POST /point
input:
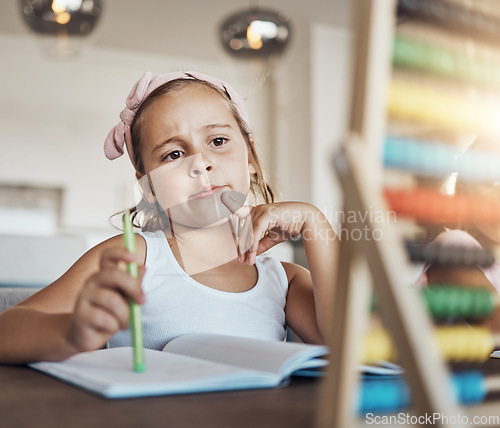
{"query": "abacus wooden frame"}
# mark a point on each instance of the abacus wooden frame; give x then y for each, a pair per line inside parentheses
(380, 261)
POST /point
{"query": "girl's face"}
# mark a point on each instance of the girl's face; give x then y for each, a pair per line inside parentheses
(193, 150)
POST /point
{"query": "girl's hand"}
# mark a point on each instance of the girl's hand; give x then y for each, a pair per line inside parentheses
(268, 225)
(102, 309)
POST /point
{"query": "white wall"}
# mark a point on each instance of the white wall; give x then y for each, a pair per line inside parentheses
(292, 88)
(330, 100)
(55, 116)
(311, 117)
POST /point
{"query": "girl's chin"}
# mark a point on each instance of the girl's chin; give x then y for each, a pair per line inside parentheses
(187, 226)
(200, 212)
(209, 217)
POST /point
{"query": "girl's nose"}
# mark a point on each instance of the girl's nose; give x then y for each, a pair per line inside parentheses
(199, 165)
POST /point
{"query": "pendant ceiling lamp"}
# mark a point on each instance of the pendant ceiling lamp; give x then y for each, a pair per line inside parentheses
(61, 25)
(255, 33)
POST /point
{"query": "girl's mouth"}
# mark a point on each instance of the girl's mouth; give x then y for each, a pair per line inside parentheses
(209, 191)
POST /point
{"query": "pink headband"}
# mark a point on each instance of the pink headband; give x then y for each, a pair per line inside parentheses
(120, 134)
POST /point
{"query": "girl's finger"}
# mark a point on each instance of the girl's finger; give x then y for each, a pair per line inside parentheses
(267, 243)
(114, 303)
(247, 235)
(121, 282)
(100, 320)
(255, 232)
(113, 256)
(230, 200)
(261, 226)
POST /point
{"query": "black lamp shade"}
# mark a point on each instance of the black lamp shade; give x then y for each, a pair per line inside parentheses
(257, 33)
(48, 17)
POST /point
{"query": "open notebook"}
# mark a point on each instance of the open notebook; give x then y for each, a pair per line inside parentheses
(188, 364)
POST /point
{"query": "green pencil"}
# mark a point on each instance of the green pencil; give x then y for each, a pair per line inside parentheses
(135, 309)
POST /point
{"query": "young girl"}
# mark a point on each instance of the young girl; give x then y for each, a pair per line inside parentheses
(201, 244)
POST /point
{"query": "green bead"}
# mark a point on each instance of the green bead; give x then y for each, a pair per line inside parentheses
(443, 62)
(444, 302)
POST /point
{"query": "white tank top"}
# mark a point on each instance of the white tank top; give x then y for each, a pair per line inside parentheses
(176, 304)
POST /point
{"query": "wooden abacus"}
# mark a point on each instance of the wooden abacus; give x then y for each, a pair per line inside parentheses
(384, 263)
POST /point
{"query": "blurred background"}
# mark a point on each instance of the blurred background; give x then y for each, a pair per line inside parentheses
(58, 191)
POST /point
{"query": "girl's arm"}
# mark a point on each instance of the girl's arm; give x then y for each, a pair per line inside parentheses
(309, 296)
(78, 312)
(309, 300)
(300, 310)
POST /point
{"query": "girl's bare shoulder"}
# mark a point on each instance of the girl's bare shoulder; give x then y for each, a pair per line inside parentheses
(295, 271)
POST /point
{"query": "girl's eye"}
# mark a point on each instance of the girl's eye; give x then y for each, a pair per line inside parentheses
(169, 157)
(219, 141)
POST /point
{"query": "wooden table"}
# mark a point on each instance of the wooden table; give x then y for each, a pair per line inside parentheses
(32, 399)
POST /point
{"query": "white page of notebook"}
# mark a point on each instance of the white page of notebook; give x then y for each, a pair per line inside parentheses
(110, 372)
(255, 354)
